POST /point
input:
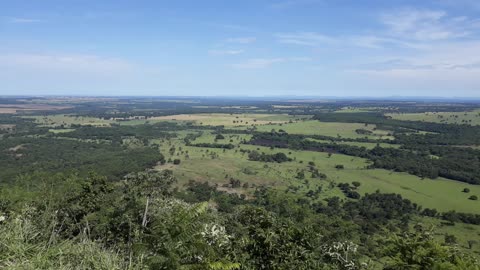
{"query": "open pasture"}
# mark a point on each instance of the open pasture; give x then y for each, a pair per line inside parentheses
(218, 165)
(470, 118)
(68, 120)
(357, 109)
(464, 233)
(441, 194)
(367, 145)
(230, 120)
(332, 129)
(59, 131)
(213, 119)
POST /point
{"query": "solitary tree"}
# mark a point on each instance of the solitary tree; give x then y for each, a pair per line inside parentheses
(340, 167)
(356, 184)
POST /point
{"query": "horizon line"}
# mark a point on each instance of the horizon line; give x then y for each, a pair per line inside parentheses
(393, 97)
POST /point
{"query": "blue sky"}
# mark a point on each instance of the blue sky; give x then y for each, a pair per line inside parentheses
(236, 48)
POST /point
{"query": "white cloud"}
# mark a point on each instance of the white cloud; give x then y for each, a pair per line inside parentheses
(260, 63)
(364, 41)
(242, 40)
(233, 27)
(304, 38)
(64, 62)
(292, 3)
(458, 78)
(23, 20)
(405, 28)
(452, 55)
(225, 52)
(300, 59)
(453, 66)
(426, 25)
(109, 15)
(379, 42)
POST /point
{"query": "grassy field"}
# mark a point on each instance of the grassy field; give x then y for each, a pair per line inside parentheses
(68, 120)
(332, 129)
(64, 130)
(472, 118)
(218, 166)
(230, 120)
(357, 110)
(367, 145)
(214, 119)
(462, 232)
(441, 194)
(262, 122)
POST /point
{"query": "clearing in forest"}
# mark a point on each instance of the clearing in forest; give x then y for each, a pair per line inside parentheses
(217, 166)
(331, 129)
(224, 119)
(470, 118)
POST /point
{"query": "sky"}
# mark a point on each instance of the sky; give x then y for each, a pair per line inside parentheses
(240, 48)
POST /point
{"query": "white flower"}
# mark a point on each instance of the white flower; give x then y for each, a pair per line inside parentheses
(215, 235)
(341, 251)
(2, 218)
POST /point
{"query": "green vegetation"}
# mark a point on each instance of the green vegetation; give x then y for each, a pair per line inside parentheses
(66, 121)
(218, 119)
(367, 145)
(340, 130)
(26, 155)
(277, 157)
(462, 118)
(215, 184)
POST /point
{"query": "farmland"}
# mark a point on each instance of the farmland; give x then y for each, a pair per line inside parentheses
(29, 108)
(442, 194)
(217, 166)
(332, 129)
(229, 119)
(67, 121)
(338, 163)
(468, 117)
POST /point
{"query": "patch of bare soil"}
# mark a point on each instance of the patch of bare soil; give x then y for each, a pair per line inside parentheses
(16, 148)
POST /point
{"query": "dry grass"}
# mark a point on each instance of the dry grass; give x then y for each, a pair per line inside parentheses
(16, 148)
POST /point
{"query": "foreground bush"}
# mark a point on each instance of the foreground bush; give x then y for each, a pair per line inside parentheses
(24, 246)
